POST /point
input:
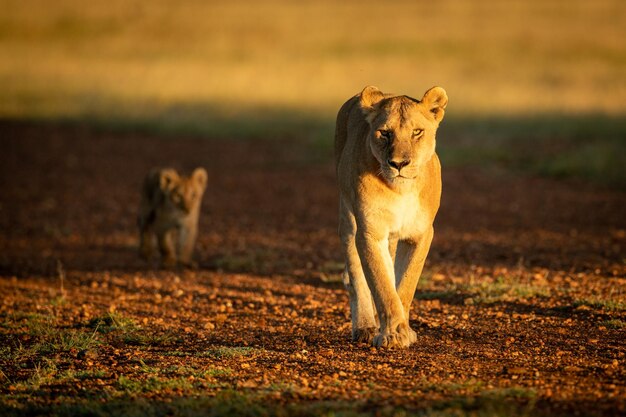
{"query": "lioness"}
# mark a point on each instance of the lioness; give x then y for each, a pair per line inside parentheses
(390, 186)
(170, 205)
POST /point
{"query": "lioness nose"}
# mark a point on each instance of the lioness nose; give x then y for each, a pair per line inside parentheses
(398, 164)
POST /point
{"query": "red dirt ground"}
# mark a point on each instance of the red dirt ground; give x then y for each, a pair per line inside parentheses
(522, 299)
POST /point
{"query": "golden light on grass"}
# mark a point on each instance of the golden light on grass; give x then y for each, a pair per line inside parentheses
(70, 58)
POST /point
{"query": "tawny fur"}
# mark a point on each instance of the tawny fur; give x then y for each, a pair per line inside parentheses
(169, 212)
(390, 187)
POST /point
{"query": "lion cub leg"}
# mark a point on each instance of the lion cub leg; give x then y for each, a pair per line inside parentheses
(146, 242)
(145, 222)
(186, 242)
(166, 247)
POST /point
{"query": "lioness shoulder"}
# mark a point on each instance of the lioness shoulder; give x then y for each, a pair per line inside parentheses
(169, 211)
(390, 186)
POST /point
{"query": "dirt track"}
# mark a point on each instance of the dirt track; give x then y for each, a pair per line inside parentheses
(522, 301)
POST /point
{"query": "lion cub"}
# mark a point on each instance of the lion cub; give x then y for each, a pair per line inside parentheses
(169, 210)
(389, 190)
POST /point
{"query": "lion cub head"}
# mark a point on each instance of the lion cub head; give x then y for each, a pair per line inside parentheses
(402, 130)
(181, 192)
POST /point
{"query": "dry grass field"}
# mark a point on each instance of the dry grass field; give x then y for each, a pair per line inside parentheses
(69, 58)
(521, 75)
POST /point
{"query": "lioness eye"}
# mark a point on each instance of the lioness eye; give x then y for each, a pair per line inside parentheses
(417, 133)
(384, 133)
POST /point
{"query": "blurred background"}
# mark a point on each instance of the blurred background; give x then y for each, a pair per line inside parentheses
(538, 86)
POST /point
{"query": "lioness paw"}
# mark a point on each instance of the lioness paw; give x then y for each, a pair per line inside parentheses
(403, 336)
(365, 335)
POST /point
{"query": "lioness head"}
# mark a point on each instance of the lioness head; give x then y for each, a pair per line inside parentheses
(402, 130)
(183, 192)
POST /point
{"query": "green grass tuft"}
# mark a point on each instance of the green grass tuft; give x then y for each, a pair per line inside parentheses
(614, 324)
(608, 304)
(228, 352)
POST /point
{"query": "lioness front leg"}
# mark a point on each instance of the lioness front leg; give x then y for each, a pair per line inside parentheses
(410, 259)
(364, 326)
(378, 269)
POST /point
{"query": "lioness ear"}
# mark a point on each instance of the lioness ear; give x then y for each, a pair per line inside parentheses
(167, 178)
(370, 96)
(436, 101)
(200, 177)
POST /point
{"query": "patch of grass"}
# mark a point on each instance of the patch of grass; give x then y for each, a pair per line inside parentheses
(283, 387)
(215, 372)
(197, 373)
(113, 321)
(505, 289)
(588, 146)
(49, 338)
(129, 332)
(249, 404)
(71, 339)
(132, 386)
(502, 288)
(4, 379)
(84, 374)
(43, 373)
(216, 352)
(608, 304)
(487, 292)
(614, 324)
(331, 272)
(512, 392)
(259, 260)
(471, 398)
(504, 402)
(182, 370)
(177, 353)
(227, 352)
(146, 369)
(470, 386)
(40, 325)
(237, 263)
(435, 295)
(19, 353)
(58, 301)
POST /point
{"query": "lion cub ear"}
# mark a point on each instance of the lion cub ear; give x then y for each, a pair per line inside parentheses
(369, 98)
(167, 179)
(199, 176)
(436, 101)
